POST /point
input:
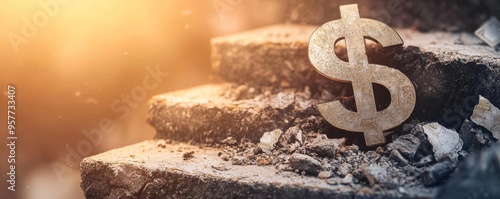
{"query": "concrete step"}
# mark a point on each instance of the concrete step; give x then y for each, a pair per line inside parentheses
(446, 68)
(447, 15)
(155, 169)
(211, 113)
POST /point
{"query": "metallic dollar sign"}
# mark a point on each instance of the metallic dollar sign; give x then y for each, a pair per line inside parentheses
(361, 74)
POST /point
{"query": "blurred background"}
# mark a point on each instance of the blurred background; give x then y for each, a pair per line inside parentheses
(77, 63)
(74, 62)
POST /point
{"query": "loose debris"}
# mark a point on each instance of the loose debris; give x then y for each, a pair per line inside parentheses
(420, 155)
(188, 155)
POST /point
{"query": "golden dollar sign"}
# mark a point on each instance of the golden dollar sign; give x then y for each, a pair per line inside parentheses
(361, 74)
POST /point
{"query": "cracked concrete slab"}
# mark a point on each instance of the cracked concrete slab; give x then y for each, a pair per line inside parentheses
(156, 169)
(449, 70)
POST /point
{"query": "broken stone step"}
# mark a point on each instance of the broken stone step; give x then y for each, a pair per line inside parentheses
(211, 113)
(155, 169)
(448, 15)
(448, 70)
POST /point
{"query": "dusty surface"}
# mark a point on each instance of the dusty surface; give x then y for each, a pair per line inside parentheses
(448, 70)
(211, 113)
(156, 169)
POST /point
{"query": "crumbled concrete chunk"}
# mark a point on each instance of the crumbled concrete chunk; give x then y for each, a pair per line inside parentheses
(445, 143)
(407, 145)
(375, 174)
(269, 139)
(282, 100)
(488, 116)
(305, 163)
(326, 147)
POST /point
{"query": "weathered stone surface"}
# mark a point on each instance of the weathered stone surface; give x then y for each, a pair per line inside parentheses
(211, 113)
(478, 177)
(488, 116)
(375, 174)
(446, 143)
(448, 70)
(407, 145)
(269, 139)
(326, 147)
(475, 137)
(446, 15)
(145, 170)
(305, 163)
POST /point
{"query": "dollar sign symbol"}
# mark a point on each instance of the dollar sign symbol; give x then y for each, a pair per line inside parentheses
(361, 74)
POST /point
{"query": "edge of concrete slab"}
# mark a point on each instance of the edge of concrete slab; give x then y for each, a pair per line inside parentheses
(154, 169)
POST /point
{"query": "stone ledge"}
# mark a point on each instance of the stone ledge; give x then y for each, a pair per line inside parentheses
(211, 113)
(154, 169)
(445, 67)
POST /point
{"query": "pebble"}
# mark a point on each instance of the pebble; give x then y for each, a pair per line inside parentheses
(407, 145)
(375, 174)
(324, 174)
(305, 163)
(269, 139)
(326, 147)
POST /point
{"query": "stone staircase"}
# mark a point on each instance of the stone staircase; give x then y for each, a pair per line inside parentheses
(260, 136)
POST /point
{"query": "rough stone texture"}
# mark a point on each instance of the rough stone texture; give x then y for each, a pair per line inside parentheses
(488, 116)
(407, 145)
(305, 163)
(153, 170)
(375, 174)
(446, 143)
(326, 147)
(475, 137)
(478, 177)
(449, 15)
(448, 70)
(269, 139)
(211, 113)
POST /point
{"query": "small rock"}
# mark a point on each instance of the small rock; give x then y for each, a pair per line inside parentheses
(474, 136)
(395, 155)
(282, 100)
(437, 172)
(407, 145)
(344, 169)
(188, 155)
(292, 135)
(445, 142)
(222, 167)
(488, 116)
(269, 139)
(326, 147)
(262, 161)
(161, 143)
(425, 146)
(324, 174)
(375, 174)
(305, 163)
(238, 160)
